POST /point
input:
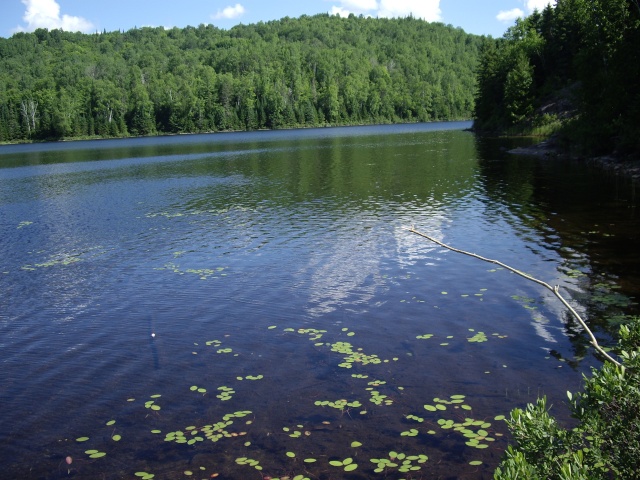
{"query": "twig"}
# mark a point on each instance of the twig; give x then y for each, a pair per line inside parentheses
(555, 290)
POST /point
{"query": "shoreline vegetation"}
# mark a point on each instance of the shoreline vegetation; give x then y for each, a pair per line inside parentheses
(290, 73)
(572, 72)
(165, 134)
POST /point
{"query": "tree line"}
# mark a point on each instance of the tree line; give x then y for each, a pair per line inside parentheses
(309, 71)
(579, 59)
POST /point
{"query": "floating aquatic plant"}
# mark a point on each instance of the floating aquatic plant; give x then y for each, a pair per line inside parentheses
(378, 399)
(95, 453)
(404, 463)
(474, 432)
(314, 335)
(295, 433)
(226, 393)
(478, 338)
(248, 461)
(145, 475)
(413, 417)
(353, 356)
(151, 404)
(347, 464)
(426, 336)
(213, 432)
(341, 404)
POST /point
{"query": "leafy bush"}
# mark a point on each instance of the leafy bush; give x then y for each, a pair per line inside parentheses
(605, 444)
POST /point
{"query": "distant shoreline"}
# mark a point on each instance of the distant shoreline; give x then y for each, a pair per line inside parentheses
(169, 134)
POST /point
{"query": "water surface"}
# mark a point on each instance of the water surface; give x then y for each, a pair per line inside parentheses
(276, 267)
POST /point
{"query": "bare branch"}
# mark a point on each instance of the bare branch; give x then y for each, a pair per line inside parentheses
(555, 290)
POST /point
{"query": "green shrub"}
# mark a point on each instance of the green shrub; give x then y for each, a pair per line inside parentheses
(606, 442)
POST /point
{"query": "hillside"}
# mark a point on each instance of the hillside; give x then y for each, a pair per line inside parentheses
(293, 72)
(572, 69)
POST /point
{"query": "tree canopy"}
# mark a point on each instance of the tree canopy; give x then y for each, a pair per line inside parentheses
(309, 71)
(579, 59)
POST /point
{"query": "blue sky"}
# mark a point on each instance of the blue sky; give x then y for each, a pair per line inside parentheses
(482, 17)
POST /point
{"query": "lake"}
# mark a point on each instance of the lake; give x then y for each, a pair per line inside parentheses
(249, 305)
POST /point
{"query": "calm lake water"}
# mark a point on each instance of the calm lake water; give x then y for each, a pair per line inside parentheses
(251, 304)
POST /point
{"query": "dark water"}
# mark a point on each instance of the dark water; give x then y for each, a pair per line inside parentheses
(264, 264)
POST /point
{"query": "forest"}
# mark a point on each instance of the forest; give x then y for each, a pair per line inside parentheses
(310, 71)
(574, 69)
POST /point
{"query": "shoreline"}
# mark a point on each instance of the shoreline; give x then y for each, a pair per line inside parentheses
(628, 167)
(174, 134)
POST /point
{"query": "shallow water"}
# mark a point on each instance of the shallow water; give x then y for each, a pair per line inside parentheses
(270, 262)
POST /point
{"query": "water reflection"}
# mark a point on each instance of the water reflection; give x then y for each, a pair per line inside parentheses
(580, 214)
(258, 241)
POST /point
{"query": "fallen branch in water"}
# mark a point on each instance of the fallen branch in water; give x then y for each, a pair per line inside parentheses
(555, 290)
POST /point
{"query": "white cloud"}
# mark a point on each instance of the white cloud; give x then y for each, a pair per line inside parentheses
(508, 16)
(537, 4)
(229, 12)
(428, 10)
(356, 7)
(46, 14)
(340, 11)
(360, 5)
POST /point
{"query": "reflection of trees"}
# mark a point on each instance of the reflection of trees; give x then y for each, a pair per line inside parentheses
(578, 214)
(269, 184)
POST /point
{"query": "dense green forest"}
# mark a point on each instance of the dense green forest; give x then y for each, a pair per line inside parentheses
(308, 71)
(574, 67)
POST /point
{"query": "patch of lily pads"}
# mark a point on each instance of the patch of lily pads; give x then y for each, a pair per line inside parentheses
(213, 432)
(475, 433)
(477, 337)
(399, 461)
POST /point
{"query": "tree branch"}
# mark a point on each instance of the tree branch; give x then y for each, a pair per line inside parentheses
(555, 290)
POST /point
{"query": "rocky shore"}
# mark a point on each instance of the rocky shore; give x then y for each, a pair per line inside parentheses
(625, 166)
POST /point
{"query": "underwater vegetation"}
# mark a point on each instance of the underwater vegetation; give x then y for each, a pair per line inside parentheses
(314, 447)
